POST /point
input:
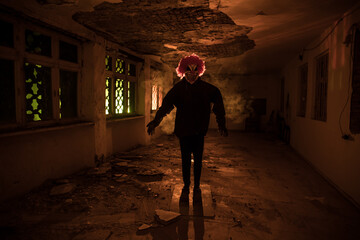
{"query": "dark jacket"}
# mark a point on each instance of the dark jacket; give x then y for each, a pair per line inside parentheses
(193, 104)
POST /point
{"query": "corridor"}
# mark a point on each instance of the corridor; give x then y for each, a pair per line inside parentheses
(260, 188)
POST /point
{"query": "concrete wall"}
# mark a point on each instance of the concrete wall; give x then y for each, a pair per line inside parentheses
(123, 134)
(321, 143)
(30, 157)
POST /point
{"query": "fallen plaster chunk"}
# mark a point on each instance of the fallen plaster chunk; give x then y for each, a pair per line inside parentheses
(122, 164)
(166, 217)
(62, 189)
(129, 157)
(144, 227)
(99, 171)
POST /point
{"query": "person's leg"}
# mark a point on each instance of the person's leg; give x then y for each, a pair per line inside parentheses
(198, 153)
(185, 147)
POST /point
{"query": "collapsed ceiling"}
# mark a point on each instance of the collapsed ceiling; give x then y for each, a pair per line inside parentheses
(169, 30)
(233, 36)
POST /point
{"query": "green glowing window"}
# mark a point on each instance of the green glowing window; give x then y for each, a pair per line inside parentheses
(68, 94)
(68, 52)
(108, 63)
(132, 69)
(37, 92)
(37, 43)
(7, 91)
(119, 96)
(131, 97)
(108, 96)
(119, 66)
(7, 34)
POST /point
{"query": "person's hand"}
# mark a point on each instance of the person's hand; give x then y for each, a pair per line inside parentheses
(151, 128)
(223, 132)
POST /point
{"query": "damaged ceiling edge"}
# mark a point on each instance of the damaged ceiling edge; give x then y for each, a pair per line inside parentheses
(169, 32)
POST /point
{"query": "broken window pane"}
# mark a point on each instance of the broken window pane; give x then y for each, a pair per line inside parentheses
(131, 97)
(7, 91)
(132, 69)
(108, 96)
(68, 52)
(68, 94)
(38, 92)
(7, 34)
(37, 43)
(119, 96)
(108, 63)
(120, 66)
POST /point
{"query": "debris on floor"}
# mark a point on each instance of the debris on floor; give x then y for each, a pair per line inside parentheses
(166, 217)
(149, 175)
(144, 227)
(62, 189)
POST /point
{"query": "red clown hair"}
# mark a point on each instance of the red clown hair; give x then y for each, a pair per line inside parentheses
(189, 60)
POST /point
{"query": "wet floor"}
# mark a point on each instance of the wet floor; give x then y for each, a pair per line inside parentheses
(260, 189)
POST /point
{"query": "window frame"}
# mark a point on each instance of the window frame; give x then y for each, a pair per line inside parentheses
(302, 112)
(317, 115)
(20, 56)
(112, 74)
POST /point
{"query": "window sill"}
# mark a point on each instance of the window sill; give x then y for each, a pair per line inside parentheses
(57, 127)
(123, 118)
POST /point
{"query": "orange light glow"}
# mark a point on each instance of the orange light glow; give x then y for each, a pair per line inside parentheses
(154, 98)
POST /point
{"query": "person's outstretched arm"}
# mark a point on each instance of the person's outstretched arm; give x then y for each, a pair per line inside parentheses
(219, 111)
(166, 107)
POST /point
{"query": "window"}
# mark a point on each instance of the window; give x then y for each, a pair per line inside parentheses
(301, 111)
(7, 91)
(120, 86)
(38, 86)
(156, 97)
(68, 52)
(37, 43)
(355, 96)
(68, 94)
(321, 82)
(38, 92)
(7, 34)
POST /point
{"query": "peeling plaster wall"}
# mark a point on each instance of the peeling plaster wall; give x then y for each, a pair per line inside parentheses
(321, 142)
(93, 91)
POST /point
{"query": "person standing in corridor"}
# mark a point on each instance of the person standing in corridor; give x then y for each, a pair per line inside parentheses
(192, 98)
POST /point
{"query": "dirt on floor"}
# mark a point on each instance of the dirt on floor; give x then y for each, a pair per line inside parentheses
(261, 189)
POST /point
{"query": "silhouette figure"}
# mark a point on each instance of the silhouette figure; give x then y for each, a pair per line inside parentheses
(192, 98)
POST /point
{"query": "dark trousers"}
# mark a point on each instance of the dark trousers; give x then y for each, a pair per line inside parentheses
(195, 145)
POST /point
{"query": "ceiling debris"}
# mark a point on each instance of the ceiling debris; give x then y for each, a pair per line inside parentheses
(170, 29)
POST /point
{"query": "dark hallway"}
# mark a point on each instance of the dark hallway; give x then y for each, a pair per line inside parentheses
(261, 189)
(274, 84)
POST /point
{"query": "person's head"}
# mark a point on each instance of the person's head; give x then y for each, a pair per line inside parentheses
(191, 67)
